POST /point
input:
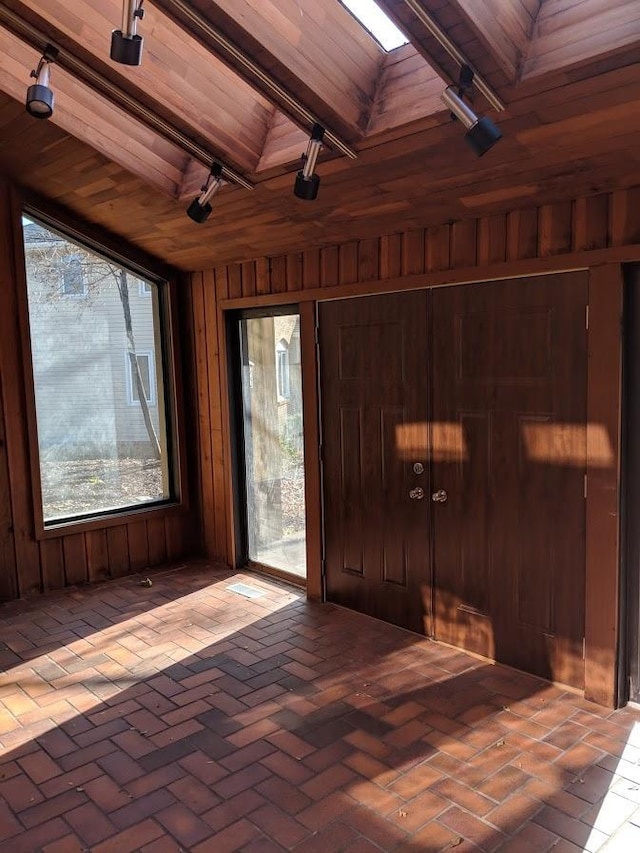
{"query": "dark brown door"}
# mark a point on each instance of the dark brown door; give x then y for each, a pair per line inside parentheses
(374, 380)
(504, 443)
(509, 391)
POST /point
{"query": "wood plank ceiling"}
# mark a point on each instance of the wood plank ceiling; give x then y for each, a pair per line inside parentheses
(568, 72)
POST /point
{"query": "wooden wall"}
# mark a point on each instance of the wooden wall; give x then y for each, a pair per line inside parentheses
(596, 232)
(29, 564)
(576, 233)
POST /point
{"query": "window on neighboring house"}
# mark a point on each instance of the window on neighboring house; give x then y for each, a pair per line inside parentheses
(102, 449)
(283, 374)
(144, 363)
(73, 283)
(144, 288)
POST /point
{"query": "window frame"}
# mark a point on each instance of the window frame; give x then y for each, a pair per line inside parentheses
(69, 259)
(175, 465)
(150, 355)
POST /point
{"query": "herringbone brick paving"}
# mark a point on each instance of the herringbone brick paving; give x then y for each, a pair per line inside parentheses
(188, 717)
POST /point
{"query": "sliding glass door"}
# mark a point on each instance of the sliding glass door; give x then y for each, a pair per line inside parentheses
(272, 447)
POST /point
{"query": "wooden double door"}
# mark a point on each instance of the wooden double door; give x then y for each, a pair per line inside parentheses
(454, 460)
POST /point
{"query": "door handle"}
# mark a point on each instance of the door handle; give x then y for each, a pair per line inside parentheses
(439, 497)
(416, 494)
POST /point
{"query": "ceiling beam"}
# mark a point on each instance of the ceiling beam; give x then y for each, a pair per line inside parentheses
(93, 79)
(83, 113)
(570, 35)
(503, 26)
(178, 81)
(313, 60)
(444, 38)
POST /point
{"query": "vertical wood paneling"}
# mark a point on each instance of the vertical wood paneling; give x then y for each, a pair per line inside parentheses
(413, 253)
(118, 551)
(492, 240)
(202, 366)
(52, 562)
(214, 366)
(27, 554)
(75, 559)
(329, 266)
(263, 280)
(224, 521)
(176, 533)
(464, 244)
(391, 256)
(157, 542)
(235, 281)
(278, 274)
(555, 229)
(522, 234)
(625, 221)
(591, 223)
(311, 269)
(8, 575)
(312, 485)
(369, 260)
(97, 555)
(438, 256)
(248, 277)
(138, 546)
(294, 272)
(603, 510)
(348, 263)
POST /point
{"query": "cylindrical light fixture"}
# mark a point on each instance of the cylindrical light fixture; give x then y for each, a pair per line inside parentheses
(481, 133)
(199, 210)
(126, 44)
(307, 183)
(40, 99)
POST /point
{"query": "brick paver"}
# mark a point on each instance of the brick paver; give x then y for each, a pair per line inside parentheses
(184, 716)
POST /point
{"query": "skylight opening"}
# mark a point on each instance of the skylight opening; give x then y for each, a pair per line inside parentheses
(376, 22)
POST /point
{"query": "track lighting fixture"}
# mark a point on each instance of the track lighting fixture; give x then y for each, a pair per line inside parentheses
(307, 183)
(40, 98)
(481, 133)
(126, 44)
(199, 210)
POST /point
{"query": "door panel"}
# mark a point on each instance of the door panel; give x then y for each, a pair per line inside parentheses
(509, 370)
(374, 374)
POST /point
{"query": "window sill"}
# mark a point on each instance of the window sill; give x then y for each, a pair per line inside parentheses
(117, 518)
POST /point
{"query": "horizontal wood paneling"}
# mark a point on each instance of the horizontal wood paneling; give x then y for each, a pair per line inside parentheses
(75, 556)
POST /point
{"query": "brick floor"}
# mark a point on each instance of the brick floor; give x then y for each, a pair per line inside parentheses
(186, 716)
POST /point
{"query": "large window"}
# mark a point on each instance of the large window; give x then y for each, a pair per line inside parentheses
(101, 425)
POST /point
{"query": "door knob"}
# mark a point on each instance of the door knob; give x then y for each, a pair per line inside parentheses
(416, 494)
(439, 497)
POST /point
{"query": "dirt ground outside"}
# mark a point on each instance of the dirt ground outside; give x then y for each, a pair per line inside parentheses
(79, 487)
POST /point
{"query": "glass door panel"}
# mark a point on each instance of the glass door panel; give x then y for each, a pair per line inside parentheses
(273, 442)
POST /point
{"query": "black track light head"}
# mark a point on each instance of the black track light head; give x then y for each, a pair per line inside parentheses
(40, 98)
(482, 134)
(199, 210)
(126, 44)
